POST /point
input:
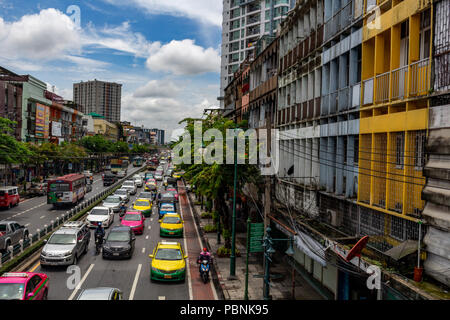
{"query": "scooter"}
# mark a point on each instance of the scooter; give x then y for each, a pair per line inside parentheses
(204, 270)
(98, 244)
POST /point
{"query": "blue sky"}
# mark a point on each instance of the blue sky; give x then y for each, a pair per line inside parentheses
(166, 53)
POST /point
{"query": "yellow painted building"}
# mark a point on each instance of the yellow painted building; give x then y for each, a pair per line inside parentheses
(106, 128)
(396, 74)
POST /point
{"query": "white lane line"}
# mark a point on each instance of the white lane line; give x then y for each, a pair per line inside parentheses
(151, 219)
(199, 242)
(81, 282)
(42, 217)
(27, 225)
(149, 227)
(161, 298)
(143, 250)
(188, 273)
(136, 277)
(146, 237)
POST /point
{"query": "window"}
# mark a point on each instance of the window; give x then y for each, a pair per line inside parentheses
(356, 151)
(399, 149)
(397, 227)
(419, 150)
(425, 34)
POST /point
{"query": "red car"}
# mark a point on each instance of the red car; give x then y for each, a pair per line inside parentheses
(134, 220)
(174, 192)
(9, 196)
(24, 286)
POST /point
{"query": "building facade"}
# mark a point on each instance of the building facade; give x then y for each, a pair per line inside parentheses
(243, 23)
(101, 97)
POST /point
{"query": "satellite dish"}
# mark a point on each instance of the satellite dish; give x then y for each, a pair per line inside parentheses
(357, 248)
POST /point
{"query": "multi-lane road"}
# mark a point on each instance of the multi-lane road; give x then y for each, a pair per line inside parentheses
(132, 276)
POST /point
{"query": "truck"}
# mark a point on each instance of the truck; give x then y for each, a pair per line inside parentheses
(11, 232)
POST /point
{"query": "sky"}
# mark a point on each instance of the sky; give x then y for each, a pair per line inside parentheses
(165, 53)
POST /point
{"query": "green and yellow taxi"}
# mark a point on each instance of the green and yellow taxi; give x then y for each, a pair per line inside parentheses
(143, 205)
(177, 174)
(150, 185)
(171, 225)
(168, 262)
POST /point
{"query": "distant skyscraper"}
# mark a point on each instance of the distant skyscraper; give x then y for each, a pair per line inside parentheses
(244, 22)
(103, 98)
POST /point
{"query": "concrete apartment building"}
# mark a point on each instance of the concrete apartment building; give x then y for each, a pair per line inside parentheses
(100, 97)
(243, 23)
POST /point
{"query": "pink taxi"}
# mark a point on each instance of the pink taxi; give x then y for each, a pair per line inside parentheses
(134, 220)
(24, 286)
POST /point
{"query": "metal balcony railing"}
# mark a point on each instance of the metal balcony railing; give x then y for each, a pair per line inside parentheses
(420, 77)
(382, 85)
(368, 91)
(325, 106)
(343, 99)
(399, 79)
(253, 20)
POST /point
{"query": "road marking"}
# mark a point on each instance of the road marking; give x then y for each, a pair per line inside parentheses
(143, 250)
(161, 298)
(149, 227)
(35, 267)
(151, 219)
(81, 282)
(146, 237)
(136, 277)
(42, 217)
(27, 225)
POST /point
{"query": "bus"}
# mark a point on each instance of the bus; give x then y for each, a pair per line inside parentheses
(68, 189)
(138, 161)
(125, 162)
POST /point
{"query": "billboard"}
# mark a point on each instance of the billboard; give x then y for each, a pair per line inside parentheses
(56, 129)
(40, 120)
(47, 122)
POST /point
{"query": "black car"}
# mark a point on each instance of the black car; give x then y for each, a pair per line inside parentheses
(109, 179)
(119, 243)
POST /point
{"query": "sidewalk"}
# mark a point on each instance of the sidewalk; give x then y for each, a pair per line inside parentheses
(281, 284)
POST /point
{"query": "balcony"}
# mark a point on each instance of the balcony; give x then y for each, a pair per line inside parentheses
(253, 20)
(399, 81)
(420, 77)
(382, 85)
(368, 91)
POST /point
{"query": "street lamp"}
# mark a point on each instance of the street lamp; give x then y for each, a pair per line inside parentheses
(233, 225)
(268, 250)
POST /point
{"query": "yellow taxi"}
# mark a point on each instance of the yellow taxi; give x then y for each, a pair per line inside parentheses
(171, 225)
(177, 175)
(143, 205)
(168, 262)
(150, 185)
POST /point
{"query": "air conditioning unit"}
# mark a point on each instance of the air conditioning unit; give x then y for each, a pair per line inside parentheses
(334, 218)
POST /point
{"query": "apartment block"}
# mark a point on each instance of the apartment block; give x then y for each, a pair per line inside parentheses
(100, 97)
(244, 22)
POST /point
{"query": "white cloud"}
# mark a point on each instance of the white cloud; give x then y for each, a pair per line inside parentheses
(204, 11)
(46, 35)
(157, 89)
(184, 58)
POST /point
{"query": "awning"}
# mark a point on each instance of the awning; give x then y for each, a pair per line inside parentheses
(402, 250)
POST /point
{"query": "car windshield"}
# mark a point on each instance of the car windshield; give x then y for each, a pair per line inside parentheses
(2, 227)
(166, 207)
(128, 184)
(141, 204)
(145, 195)
(121, 192)
(99, 212)
(118, 236)
(112, 199)
(132, 217)
(171, 220)
(11, 291)
(168, 254)
(62, 239)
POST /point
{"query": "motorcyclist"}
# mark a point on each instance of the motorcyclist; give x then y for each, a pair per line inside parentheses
(204, 255)
(99, 233)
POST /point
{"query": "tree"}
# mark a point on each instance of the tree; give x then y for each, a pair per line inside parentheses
(11, 150)
(215, 180)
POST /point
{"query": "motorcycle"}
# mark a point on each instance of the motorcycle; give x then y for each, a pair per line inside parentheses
(98, 243)
(204, 270)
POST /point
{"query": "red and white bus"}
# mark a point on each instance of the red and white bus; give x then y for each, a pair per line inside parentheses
(68, 189)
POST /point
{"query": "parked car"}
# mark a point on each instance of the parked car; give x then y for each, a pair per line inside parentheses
(9, 196)
(124, 194)
(24, 286)
(101, 294)
(101, 214)
(38, 188)
(11, 232)
(119, 243)
(113, 202)
(130, 185)
(66, 245)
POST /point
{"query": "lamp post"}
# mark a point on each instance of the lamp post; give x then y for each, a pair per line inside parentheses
(268, 250)
(233, 223)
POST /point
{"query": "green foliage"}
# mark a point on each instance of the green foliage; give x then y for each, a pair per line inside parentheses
(11, 150)
(206, 215)
(210, 228)
(226, 233)
(226, 252)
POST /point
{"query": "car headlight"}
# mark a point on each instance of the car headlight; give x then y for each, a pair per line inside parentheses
(155, 269)
(181, 270)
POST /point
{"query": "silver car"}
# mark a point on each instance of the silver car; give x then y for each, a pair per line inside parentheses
(124, 194)
(138, 181)
(101, 294)
(130, 185)
(66, 245)
(113, 202)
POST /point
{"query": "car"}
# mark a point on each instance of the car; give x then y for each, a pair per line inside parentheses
(24, 286)
(113, 202)
(171, 225)
(148, 176)
(9, 196)
(66, 245)
(167, 197)
(11, 232)
(168, 172)
(172, 182)
(130, 185)
(174, 192)
(147, 195)
(138, 180)
(158, 176)
(135, 220)
(101, 293)
(119, 243)
(122, 174)
(124, 194)
(165, 180)
(144, 206)
(150, 185)
(168, 262)
(101, 214)
(38, 188)
(176, 175)
(109, 178)
(164, 208)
